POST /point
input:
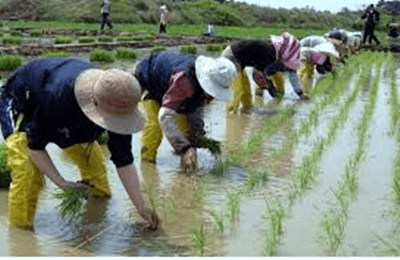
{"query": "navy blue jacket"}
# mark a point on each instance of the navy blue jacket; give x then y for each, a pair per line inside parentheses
(43, 90)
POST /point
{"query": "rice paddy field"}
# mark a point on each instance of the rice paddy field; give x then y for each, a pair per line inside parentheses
(318, 177)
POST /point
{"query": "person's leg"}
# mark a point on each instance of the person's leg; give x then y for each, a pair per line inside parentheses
(305, 73)
(241, 92)
(151, 133)
(103, 21)
(108, 21)
(27, 181)
(91, 164)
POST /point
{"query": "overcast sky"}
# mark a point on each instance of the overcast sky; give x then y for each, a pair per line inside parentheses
(320, 5)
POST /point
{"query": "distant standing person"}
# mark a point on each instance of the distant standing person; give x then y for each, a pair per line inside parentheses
(372, 17)
(163, 19)
(105, 11)
(210, 31)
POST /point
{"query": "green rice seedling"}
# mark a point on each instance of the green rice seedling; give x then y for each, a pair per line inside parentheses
(100, 55)
(86, 39)
(35, 33)
(12, 40)
(214, 48)
(141, 38)
(333, 226)
(63, 40)
(125, 54)
(105, 39)
(190, 49)
(125, 39)
(10, 62)
(16, 34)
(198, 241)
(234, 199)
(276, 215)
(256, 178)
(221, 168)
(212, 145)
(157, 49)
(103, 138)
(72, 200)
(57, 54)
(199, 190)
(218, 218)
(5, 175)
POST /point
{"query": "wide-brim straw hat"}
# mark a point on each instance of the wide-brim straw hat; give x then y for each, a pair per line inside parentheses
(215, 76)
(109, 98)
(327, 49)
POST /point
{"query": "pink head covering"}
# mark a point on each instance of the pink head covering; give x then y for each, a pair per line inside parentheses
(288, 49)
(317, 57)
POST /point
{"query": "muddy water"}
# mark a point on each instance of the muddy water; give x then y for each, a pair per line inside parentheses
(111, 227)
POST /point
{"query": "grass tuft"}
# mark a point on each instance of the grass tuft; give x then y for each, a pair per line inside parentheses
(63, 40)
(125, 54)
(190, 49)
(10, 62)
(100, 55)
(105, 39)
(214, 48)
(86, 39)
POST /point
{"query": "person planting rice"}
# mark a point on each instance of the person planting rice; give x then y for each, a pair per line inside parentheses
(175, 86)
(267, 57)
(70, 103)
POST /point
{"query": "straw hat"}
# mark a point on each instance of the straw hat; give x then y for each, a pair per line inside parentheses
(215, 76)
(109, 98)
(327, 49)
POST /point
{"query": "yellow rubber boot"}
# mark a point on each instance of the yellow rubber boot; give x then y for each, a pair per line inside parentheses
(183, 125)
(279, 83)
(305, 73)
(91, 164)
(241, 92)
(27, 181)
(151, 133)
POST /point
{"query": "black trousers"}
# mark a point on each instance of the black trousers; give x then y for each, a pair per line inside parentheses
(369, 33)
(104, 20)
(163, 28)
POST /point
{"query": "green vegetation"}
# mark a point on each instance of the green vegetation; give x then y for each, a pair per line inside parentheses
(125, 39)
(212, 145)
(63, 40)
(16, 34)
(276, 215)
(221, 168)
(234, 199)
(5, 175)
(125, 54)
(103, 138)
(57, 54)
(215, 48)
(256, 177)
(190, 49)
(86, 39)
(218, 219)
(105, 39)
(35, 33)
(72, 200)
(100, 55)
(199, 239)
(10, 62)
(157, 49)
(12, 41)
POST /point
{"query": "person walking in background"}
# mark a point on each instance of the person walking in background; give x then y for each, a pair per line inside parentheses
(210, 29)
(105, 11)
(163, 19)
(372, 18)
(69, 102)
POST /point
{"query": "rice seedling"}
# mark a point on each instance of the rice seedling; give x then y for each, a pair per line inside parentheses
(333, 225)
(86, 39)
(16, 34)
(234, 199)
(218, 218)
(100, 55)
(214, 48)
(190, 49)
(256, 178)
(198, 241)
(125, 54)
(103, 138)
(5, 175)
(157, 49)
(212, 145)
(35, 33)
(12, 41)
(199, 190)
(63, 40)
(276, 215)
(57, 54)
(141, 38)
(10, 62)
(105, 39)
(221, 168)
(72, 200)
(125, 39)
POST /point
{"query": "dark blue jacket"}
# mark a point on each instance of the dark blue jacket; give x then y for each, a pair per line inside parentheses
(43, 90)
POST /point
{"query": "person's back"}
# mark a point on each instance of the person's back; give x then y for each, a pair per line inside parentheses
(105, 7)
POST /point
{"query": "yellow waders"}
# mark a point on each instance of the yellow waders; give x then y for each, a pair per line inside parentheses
(27, 181)
(152, 133)
(91, 164)
(241, 92)
(305, 73)
(279, 82)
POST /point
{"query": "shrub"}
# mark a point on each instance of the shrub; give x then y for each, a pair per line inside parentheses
(125, 54)
(12, 40)
(5, 176)
(35, 33)
(57, 54)
(188, 49)
(157, 49)
(63, 40)
(10, 62)
(86, 39)
(15, 33)
(105, 39)
(100, 55)
(214, 48)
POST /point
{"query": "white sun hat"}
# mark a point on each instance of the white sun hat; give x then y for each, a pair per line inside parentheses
(215, 76)
(327, 49)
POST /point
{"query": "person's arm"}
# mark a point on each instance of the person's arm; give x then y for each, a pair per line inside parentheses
(130, 180)
(48, 168)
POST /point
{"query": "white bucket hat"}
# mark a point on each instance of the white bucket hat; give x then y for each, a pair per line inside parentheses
(215, 76)
(327, 49)
(109, 98)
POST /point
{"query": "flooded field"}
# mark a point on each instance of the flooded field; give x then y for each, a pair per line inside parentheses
(302, 178)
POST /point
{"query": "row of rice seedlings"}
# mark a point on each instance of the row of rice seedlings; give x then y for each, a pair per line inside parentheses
(199, 241)
(100, 55)
(86, 39)
(52, 54)
(35, 33)
(189, 49)
(215, 48)
(125, 54)
(5, 175)
(157, 49)
(10, 62)
(276, 215)
(63, 40)
(105, 39)
(334, 222)
(256, 177)
(16, 33)
(11, 41)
